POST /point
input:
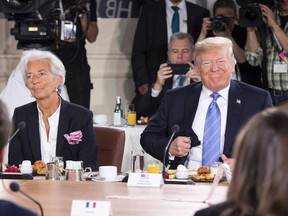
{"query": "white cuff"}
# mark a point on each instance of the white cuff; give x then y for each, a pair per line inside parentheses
(155, 93)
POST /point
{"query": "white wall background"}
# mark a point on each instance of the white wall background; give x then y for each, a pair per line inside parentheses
(109, 58)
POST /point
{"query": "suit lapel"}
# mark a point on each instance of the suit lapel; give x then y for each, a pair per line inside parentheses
(235, 105)
(191, 107)
(62, 127)
(33, 131)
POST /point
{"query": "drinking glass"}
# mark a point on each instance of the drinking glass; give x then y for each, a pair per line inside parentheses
(153, 166)
(137, 160)
(130, 115)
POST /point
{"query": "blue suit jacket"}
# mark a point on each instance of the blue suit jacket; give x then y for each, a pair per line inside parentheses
(26, 144)
(179, 107)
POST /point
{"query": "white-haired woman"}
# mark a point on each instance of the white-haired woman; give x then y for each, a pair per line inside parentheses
(54, 127)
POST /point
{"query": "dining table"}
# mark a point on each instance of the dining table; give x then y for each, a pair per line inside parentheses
(56, 196)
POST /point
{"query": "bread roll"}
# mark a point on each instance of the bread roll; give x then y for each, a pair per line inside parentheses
(38, 165)
(203, 170)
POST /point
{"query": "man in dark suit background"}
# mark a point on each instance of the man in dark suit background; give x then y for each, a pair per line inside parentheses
(187, 107)
(7, 207)
(180, 51)
(152, 34)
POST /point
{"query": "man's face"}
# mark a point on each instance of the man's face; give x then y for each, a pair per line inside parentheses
(180, 52)
(175, 1)
(215, 68)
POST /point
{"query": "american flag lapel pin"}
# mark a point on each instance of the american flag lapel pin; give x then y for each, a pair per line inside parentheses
(238, 101)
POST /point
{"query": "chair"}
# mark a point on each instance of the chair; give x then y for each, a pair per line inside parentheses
(110, 143)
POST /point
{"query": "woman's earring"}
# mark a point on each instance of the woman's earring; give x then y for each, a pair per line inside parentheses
(56, 89)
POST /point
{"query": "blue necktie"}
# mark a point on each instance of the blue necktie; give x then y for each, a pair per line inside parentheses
(212, 133)
(175, 20)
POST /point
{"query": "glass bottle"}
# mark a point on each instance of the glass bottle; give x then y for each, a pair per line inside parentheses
(117, 112)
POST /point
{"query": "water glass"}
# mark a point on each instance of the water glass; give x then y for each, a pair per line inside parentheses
(137, 160)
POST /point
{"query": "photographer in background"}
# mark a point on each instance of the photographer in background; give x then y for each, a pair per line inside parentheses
(180, 51)
(74, 57)
(270, 49)
(223, 24)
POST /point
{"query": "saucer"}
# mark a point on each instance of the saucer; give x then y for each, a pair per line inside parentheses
(102, 179)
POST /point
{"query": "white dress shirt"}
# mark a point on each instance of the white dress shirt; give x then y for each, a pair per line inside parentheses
(48, 144)
(194, 159)
(182, 17)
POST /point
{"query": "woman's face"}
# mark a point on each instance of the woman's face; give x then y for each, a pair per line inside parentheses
(40, 80)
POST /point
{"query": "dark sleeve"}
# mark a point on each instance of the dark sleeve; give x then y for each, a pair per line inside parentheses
(156, 135)
(148, 105)
(88, 148)
(93, 11)
(139, 49)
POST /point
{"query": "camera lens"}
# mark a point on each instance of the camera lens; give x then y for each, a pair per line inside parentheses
(218, 24)
(252, 14)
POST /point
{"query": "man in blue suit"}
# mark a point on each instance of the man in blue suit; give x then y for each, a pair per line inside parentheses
(187, 107)
(152, 35)
(7, 207)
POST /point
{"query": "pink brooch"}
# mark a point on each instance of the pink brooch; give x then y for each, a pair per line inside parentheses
(74, 137)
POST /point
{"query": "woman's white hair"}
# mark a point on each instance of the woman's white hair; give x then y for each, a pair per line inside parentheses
(56, 65)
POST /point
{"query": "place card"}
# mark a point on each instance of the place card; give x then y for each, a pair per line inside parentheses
(90, 207)
(144, 180)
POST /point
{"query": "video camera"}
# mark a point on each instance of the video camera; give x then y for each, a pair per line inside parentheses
(250, 14)
(44, 24)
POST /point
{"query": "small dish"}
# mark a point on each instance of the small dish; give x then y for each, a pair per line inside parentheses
(182, 174)
(102, 179)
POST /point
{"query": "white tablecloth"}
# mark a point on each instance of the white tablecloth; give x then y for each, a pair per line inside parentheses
(132, 142)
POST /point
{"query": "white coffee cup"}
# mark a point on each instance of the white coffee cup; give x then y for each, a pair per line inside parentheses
(26, 167)
(100, 119)
(108, 172)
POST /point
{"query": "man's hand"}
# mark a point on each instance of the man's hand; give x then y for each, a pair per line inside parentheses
(180, 147)
(226, 33)
(229, 161)
(163, 74)
(268, 16)
(206, 26)
(193, 74)
(143, 88)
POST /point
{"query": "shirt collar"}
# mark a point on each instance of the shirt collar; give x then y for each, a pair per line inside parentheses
(181, 5)
(224, 92)
(54, 117)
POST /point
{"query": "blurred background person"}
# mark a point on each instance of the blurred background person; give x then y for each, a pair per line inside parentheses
(7, 207)
(157, 22)
(54, 127)
(260, 169)
(269, 49)
(180, 51)
(74, 56)
(234, 103)
(224, 23)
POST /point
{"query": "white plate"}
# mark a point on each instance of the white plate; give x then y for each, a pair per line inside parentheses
(101, 179)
